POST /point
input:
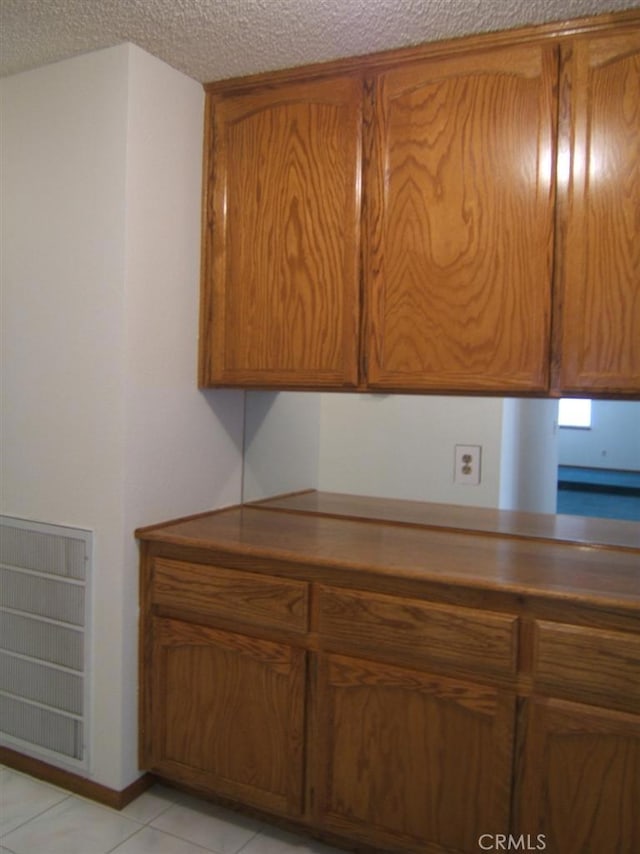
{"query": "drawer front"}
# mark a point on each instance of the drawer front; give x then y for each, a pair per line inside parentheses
(594, 666)
(415, 633)
(231, 595)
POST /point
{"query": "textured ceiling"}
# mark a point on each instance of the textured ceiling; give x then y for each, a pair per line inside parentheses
(212, 39)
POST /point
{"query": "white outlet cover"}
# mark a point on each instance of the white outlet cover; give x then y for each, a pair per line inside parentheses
(467, 464)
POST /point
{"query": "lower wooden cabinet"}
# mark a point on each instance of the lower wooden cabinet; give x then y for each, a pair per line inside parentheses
(409, 760)
(227, 714)
(580, 783)
(579, 777)
(418, 723)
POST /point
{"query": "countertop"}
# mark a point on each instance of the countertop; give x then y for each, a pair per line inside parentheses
(393, 544)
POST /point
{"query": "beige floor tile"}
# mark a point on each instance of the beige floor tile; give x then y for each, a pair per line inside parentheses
(23, 798)
(210, 826)
(73, 826)
(152, 841)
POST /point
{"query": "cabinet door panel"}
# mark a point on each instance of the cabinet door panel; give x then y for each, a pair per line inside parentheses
(282, 237)
(460, 222)
(580, 784)
(228, 714)
(599, 192)
(412, 760)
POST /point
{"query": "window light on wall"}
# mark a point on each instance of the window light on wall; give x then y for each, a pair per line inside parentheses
(574, 412)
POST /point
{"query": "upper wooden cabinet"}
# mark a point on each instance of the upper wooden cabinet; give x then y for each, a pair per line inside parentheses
(281, 276)
(460, 222)
(459, 217)
(599, 195)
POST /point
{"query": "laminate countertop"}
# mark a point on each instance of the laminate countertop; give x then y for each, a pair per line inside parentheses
(403, 546)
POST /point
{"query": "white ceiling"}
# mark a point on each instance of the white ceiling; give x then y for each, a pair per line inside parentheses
(212, 39)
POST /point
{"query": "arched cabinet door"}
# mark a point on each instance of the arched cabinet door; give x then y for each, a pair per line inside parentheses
(281, 235)
(227, 714)
(598, 321)
(411, 761)
(460, 221)
(580, 778)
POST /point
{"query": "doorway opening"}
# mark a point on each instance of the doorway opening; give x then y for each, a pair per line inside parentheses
(599, 459)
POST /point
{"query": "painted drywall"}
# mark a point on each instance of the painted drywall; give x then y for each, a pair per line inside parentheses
(395, 446)
(102, 424)
(613, 441)
(63, 215)
(529, 455)
(183, 447)
(282, 441)
(402, 446)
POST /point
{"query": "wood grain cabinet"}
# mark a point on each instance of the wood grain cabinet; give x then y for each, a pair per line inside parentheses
(407, 749)
(581, 778)
(459, 217)
(599, 196)
(281, 271)
(413, 697)
(227, 714)
(224, 710)
(460, 222)
(412, 761)
(579, 781)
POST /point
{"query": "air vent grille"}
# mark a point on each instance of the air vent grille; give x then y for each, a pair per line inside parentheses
(44, 577)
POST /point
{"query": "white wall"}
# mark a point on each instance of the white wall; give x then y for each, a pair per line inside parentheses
(402, 446)
(395, 446)
(529, 458)
(282, 440)
(102, 424)
(63, 217)
(612, 442)
(183, 447)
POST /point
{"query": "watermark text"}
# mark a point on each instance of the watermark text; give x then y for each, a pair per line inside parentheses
(511, 842)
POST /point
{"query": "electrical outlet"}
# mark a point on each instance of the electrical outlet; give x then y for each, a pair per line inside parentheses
(467, 464)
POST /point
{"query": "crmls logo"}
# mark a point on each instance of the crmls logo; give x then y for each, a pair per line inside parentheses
(504, 842)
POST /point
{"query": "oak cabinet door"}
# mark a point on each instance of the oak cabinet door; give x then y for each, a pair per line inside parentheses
(460, 209)
(580, 784)
(227, 714)
(599, 196)
(410, 761)
(281, 269)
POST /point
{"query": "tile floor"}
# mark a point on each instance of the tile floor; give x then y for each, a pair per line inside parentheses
(37, 818)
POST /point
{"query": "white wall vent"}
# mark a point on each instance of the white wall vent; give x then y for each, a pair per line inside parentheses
(44, 577)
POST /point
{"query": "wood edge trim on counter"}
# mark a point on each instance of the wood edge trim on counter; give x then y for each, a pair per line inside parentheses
(141, 533)
(278, 562)
(374, 62)
(75, 783)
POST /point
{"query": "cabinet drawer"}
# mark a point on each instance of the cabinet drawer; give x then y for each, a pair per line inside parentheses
(590, 665)
(231, 595)
(417, 633)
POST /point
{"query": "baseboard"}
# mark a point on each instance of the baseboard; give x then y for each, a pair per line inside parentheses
(74, 782)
